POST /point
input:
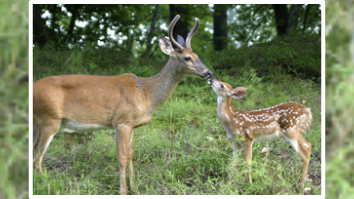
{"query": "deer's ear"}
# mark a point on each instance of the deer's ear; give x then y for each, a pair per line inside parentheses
(180, 40)
(239, 92)
(165, 45)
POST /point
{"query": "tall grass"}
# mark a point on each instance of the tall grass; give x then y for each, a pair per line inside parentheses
(184, 149)
(14, 99)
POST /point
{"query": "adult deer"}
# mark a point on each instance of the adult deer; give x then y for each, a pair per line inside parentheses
(289, 120)
(123, 102)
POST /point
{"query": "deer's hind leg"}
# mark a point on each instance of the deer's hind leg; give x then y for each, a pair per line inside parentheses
(43, 135)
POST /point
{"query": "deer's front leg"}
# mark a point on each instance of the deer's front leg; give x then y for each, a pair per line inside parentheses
(123, 136)
(247, 147)
(131, 167)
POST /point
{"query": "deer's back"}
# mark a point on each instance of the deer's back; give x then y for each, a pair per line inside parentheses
(89, 99)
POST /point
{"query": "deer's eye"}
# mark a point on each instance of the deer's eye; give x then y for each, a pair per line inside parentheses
(221, 85)
(187, 58)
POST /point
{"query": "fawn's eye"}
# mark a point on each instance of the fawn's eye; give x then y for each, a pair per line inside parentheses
(187, 58)
(221, 85)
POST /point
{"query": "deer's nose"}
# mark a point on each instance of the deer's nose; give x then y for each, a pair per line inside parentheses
(209, 73)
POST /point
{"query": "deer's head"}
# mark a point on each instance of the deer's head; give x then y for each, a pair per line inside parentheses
(182, 57)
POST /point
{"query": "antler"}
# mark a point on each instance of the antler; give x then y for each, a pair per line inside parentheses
(191, 33)
(170, 29)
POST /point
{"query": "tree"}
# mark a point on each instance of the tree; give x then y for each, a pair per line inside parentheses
(293, 19)
(39, 29)
(312, 17)
(152, 31)
(305, 18)
(74, 9)
(281, 18)
(220, 27)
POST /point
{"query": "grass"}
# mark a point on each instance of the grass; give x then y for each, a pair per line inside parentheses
(14, 100)
(339, 99)
(184, 149)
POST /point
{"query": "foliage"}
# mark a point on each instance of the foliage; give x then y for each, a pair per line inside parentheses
(300, 56)
(14, 100)
(247, 25)
(339, 98)
(251, 24)
(184, 149)
(128, 21)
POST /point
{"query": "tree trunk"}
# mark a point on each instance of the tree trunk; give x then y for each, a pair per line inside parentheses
(152, 30)
(54, 18)
(293, 19)
(305, 18)
(220, 27)
(74, 11)
(281, 18)
(181, 27)
(39, 29)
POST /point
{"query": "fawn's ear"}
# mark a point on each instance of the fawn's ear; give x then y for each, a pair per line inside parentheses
(239, 92)
(165, 45)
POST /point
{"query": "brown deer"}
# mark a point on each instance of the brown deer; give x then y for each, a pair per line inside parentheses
(289, 120)
(123, 102)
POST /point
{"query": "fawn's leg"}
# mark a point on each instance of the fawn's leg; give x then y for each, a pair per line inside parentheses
(236, 146)
(247, 147)
(303, 148)
(305, 153)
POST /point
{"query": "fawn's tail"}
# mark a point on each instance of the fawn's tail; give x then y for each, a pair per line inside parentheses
(305, 120)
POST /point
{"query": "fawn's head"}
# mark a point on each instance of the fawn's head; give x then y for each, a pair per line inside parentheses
(225, 90)
(186, 61)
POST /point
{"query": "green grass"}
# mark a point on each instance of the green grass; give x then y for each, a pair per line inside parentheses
(184, 149)
(14, 99)
(339, 99)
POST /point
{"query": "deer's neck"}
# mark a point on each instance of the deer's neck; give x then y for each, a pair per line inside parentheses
(162, 85)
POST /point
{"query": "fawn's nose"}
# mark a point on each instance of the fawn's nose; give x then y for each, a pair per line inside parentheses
(210, 80)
